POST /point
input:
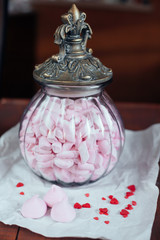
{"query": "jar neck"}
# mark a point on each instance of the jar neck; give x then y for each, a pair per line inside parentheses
(72, 91)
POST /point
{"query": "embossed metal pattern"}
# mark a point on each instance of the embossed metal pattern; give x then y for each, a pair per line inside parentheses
(74, 65)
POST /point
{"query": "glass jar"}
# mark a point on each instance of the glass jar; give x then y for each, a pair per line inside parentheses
(71, 132)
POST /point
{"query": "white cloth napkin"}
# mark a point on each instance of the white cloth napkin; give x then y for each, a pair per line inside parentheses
(138, 165)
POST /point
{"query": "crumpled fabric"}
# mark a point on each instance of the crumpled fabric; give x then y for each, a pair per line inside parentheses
(138, 165)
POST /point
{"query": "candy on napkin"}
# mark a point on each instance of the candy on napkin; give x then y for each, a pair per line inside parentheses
(54, 195)
(63, 212)
(34, 208)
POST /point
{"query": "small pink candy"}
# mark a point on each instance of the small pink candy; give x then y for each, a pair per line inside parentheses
(63, 212)
(54, 195)
(81, 179)
(51, 136)
(34, 208)
(83, 130)
(45, 164)
(63, 163)
(104, 146)
(69, 130)
(43, 130)
(48, 121)
(36, 130)
(44, 144)
(97, 121)
(67, 146)
(30, 147)
(29, 131)
(48, 173)
(58, 133)
(39, 150)
(44, 157)
(68, 154)
(99, 161)
(63, 175)
(56, 146)
(29, 139)
(82, 172)
(92, 156)
(83, 151)
(86, 166)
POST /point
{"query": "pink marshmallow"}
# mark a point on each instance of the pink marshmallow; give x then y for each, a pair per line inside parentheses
(48, 121)
(68, 154)
(29, 139)
(69, 130)
(36, 130)
(86, 166)
(34, 208)
(29, 131)
(67, 146)
(58, 133)
(54, 195)
(104, 146)
(56, 147)
(51, 136)
(43, 130)
(43, 157)
(70, 140)
(44, 144)
(45, 164)
(39, 150)
(63, 175)
(83, 151)
(63, 163)
(63, 212)
(48, 173)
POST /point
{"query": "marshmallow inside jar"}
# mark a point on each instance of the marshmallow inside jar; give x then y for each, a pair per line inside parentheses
(72, 141)
(71, 133)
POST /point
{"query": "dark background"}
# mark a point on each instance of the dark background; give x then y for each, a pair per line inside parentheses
(125, 38)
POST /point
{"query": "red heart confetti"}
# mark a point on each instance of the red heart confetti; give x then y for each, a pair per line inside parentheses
(86, 205)
(86, 194)
(114, 201)
(96, 218)
(124, 213)
(134, 203)
(103, 198)
(132, 188)
(20, 184)
(128, 194)
(110, 196)
(129, 207)
(103, 211)
(106, 222)
(77, 205)
(21, 193)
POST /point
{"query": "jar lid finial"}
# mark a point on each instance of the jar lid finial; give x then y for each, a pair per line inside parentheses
(74, 65)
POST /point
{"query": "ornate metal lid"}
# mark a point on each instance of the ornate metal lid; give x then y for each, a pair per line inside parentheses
(74, 65)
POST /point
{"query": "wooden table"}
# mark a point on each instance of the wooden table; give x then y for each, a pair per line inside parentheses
(135, 116)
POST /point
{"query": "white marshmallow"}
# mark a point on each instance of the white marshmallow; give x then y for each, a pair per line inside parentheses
(56, 146)
(44, 144)
(63, 163)
(83, 151)
(69, 130)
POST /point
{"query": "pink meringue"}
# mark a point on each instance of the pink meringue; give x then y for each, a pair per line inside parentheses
(54, 195)
(63, 212)
(34, 208)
